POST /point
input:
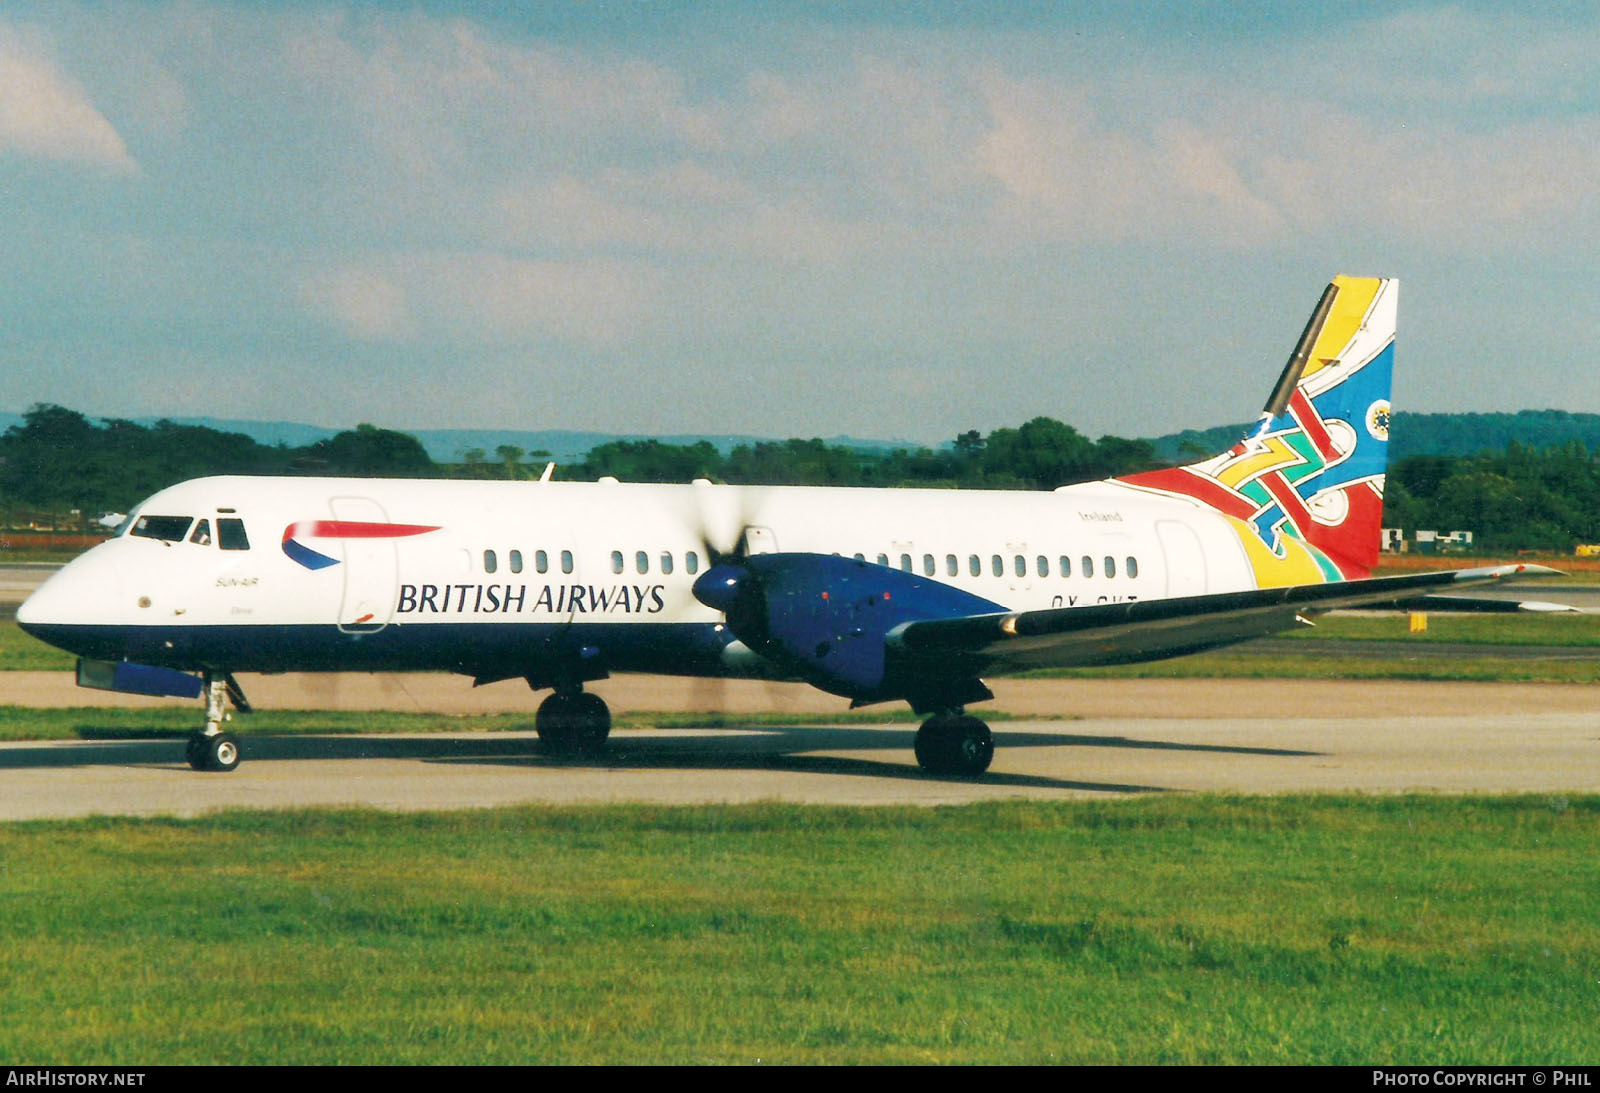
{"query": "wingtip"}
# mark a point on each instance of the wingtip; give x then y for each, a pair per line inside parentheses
(1528, 569)
(1511, 569)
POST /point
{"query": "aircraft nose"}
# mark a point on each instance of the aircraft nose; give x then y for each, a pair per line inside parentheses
(79, 593)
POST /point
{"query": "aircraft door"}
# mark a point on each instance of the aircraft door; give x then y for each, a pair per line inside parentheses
(371, 569)
(1185, 558)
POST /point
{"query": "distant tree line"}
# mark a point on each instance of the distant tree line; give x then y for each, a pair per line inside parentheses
(60, 467)
(1429, 434)
(1522, 498)
(1040, 454)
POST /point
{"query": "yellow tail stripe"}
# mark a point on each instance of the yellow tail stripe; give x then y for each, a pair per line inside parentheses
(1349, 307)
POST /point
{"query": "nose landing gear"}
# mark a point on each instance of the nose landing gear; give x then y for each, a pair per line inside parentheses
(212, 749)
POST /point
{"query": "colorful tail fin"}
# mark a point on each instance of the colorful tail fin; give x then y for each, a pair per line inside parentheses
(1307, 481)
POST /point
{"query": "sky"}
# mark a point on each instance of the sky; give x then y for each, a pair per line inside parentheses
(881, 220)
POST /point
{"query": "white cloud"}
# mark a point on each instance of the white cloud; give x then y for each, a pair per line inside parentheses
(569, 212)
(1242, 170)
(44, 114)
(483, 299)
(365, 305)
(430, 93)
(492, 299)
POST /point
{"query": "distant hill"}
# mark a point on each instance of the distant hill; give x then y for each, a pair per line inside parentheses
(1426, 434)
(449, 445)
(1412, 434)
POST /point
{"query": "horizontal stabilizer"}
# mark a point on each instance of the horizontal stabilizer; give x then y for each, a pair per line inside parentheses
(1482, 605)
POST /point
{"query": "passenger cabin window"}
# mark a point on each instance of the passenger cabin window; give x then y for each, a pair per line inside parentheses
(1088, 566)
(641, 561)
(541, 561)
(1043, 565)
(883, 559)
(951, 566)
(905, 562)
(231, 535)
(1020, 564)
(616, 561)
(169, 529)
(490, 562)
(998, 565)
(516, 561)
(566, 561)
(1066, 566)
(666, 561)
(860, 557)
(691, 563)
(1133, 567)
(927, 565)
(975, 565)
(1111, 566)
(202, 533)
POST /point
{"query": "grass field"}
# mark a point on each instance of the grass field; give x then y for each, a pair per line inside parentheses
(1226, 665)
(1179, 930)
(1572, 630)
(21, 652)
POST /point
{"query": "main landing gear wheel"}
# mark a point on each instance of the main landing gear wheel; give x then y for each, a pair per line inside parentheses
(573, 723)
(954, 744)
(213, 751)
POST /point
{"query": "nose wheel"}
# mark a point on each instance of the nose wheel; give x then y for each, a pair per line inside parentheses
(212, 749)
(218, 752)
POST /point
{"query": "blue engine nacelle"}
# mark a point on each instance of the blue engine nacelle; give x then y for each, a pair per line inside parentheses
(828, 618)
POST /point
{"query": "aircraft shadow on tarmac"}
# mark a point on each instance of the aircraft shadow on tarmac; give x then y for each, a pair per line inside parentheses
(767, 748)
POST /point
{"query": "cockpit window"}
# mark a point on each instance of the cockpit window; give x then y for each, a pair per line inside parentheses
(169, 529)
(230, 534)
(202, 533)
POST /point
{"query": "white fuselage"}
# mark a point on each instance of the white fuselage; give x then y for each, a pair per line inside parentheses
(478, 574)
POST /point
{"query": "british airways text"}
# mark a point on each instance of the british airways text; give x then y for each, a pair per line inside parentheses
(514, 599)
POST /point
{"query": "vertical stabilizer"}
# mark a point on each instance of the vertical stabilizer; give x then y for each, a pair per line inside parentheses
(1304, 488)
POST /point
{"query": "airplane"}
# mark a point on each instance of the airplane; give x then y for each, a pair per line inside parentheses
(875, 595)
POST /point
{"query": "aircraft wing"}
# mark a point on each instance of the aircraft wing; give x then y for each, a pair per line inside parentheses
(1154, 629)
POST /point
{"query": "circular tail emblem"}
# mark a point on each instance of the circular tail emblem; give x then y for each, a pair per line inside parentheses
(1378, 419)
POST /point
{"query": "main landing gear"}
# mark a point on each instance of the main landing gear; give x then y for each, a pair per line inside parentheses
(573, 722)
(954, 743)
(211, 748)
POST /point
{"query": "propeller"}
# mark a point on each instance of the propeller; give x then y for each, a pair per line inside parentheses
(719, 521)
(730, 584)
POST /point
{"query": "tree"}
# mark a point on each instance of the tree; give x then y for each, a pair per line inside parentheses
(1044, 453)
(368, 451)
(652, 461)
(511, 456)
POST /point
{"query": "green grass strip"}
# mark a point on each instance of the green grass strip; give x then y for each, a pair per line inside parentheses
(1258, 666)
(1564, 629)
(1342, 930)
